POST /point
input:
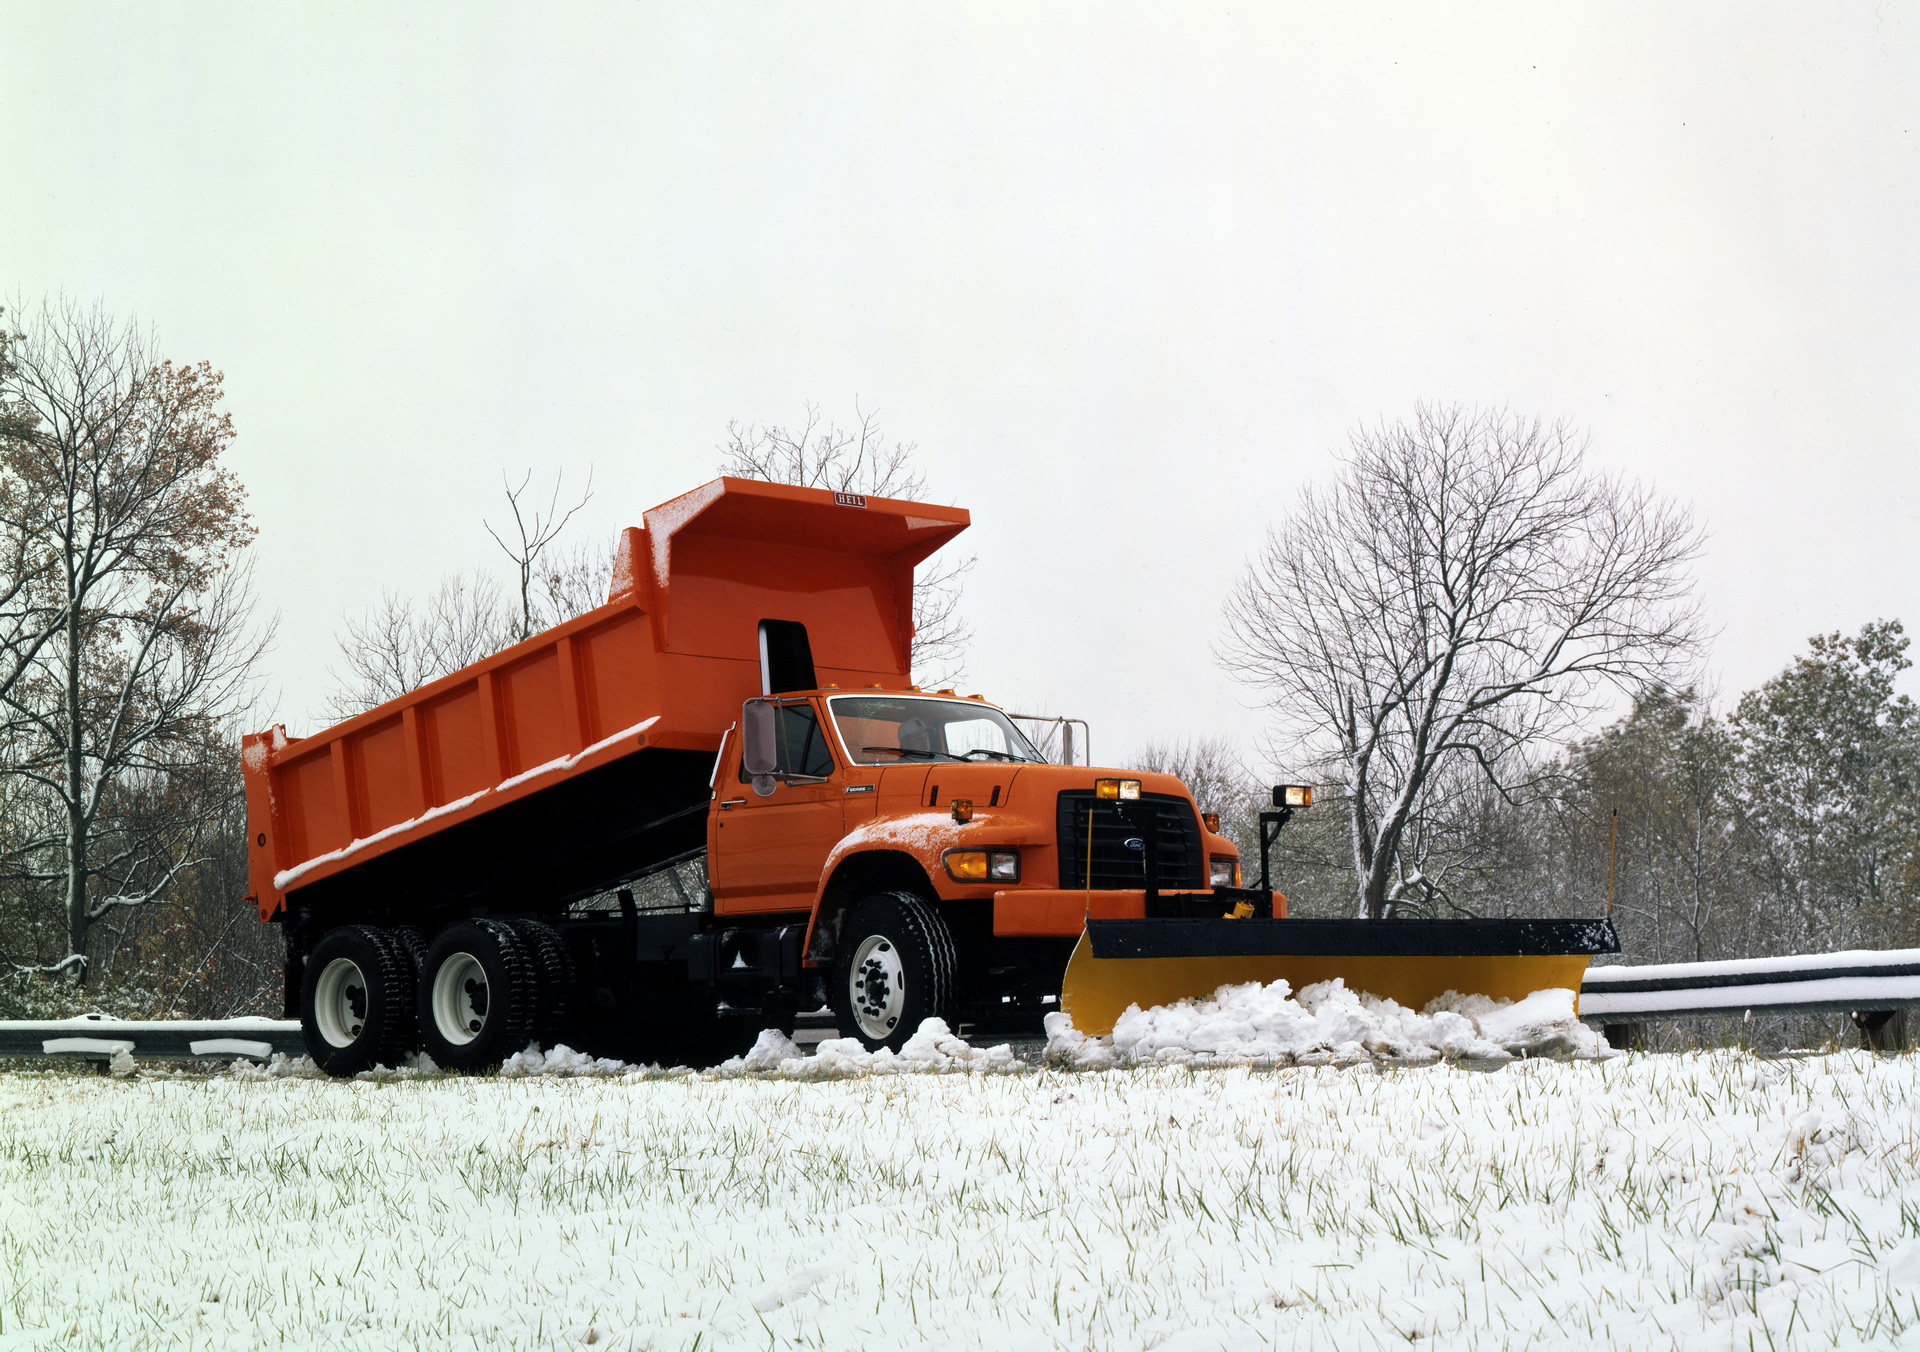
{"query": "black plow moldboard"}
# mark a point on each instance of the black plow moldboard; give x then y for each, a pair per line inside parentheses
(1348, 938)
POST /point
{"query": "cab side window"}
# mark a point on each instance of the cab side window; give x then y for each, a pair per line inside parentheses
(802, 744)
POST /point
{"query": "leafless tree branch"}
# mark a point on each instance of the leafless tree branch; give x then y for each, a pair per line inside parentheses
(1466, 588)
(534, 530)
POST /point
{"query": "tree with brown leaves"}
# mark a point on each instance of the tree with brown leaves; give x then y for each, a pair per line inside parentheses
(124, 532)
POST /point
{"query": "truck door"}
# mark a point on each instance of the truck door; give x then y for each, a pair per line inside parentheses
(765, 854)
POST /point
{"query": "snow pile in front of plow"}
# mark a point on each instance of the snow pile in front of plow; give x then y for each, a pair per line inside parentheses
(1328, 1024)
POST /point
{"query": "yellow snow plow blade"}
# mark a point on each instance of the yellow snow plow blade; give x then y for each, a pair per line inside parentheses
(1118, 963)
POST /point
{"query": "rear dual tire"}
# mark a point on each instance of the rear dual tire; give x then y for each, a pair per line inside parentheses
(477, 995)
(357, 1000)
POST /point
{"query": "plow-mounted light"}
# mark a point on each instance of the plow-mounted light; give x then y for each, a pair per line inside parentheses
(982, 866)
(1293, 795)
(1116, 788)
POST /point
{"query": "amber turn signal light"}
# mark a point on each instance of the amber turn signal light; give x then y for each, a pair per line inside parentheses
(982, 866)
(962, 810)
(1116, 788)
(1293, 795)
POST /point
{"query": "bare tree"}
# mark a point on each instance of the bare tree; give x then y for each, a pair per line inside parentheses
(940, 633)
(1218, 778)
(812, 456)
(534, 530)
(1467, 844)
(861, 461)
(569, 582)
(1466, 589)
(397, 646)
(134, 526)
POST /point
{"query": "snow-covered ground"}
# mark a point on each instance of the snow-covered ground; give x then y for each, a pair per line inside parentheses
(1702, 1201)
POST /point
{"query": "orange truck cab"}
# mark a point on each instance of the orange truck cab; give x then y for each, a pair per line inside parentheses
(708, 806)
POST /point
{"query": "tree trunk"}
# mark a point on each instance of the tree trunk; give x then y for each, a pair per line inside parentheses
(1373, 899)
(78, 921)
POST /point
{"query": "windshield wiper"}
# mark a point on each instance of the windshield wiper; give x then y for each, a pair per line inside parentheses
(909, 751)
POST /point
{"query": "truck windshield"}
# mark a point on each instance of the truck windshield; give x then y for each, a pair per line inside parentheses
(891, 729)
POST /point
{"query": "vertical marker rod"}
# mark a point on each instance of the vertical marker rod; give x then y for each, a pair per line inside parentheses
(1613, 846)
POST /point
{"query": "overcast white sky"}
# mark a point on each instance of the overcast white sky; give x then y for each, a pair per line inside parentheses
(1128, 275)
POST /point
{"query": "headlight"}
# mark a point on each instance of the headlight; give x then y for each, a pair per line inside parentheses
(982, 866)
(1116, 788)
(1223, 870)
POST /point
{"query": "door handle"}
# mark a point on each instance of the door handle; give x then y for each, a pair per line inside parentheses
(726, 803)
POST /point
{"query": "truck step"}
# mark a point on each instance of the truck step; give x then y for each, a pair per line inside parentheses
(815, 1026)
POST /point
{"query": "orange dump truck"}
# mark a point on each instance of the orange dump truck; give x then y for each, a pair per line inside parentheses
(716, 801)
(716, 793)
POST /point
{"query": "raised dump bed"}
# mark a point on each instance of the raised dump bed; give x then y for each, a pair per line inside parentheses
(585, 752)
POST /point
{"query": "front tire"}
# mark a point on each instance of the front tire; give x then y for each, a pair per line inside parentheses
(356, 998)
(478, 995)
(893, 970)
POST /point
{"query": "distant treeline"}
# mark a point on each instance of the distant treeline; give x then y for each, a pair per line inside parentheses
(1789, 823)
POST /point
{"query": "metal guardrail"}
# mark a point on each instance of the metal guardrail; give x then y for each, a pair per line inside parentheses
(100, 1039)
(1810, 983)
(1873, 987)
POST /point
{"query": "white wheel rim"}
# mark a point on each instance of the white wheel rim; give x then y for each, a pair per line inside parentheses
(460, 999)
(340, 1002)
(877, 984)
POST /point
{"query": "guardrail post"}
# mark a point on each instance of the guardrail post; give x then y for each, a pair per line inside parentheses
(1625, 1037)
(1882, 1030)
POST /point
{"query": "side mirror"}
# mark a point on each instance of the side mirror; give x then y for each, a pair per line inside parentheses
(759, 752)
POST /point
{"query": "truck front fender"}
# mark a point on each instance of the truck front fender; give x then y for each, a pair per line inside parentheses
(859, 870)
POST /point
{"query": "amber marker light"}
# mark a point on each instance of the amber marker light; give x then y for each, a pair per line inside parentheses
(962, 810)
(1292, 795)
(1116, 788)
(982, 866)
(1211, 820)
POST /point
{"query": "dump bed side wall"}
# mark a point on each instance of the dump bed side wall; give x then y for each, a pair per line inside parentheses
(400, 767)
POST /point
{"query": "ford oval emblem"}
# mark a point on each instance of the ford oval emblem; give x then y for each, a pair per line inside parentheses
(1134, 843)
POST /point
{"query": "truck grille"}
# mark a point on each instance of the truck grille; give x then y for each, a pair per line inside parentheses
(1176, 832)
